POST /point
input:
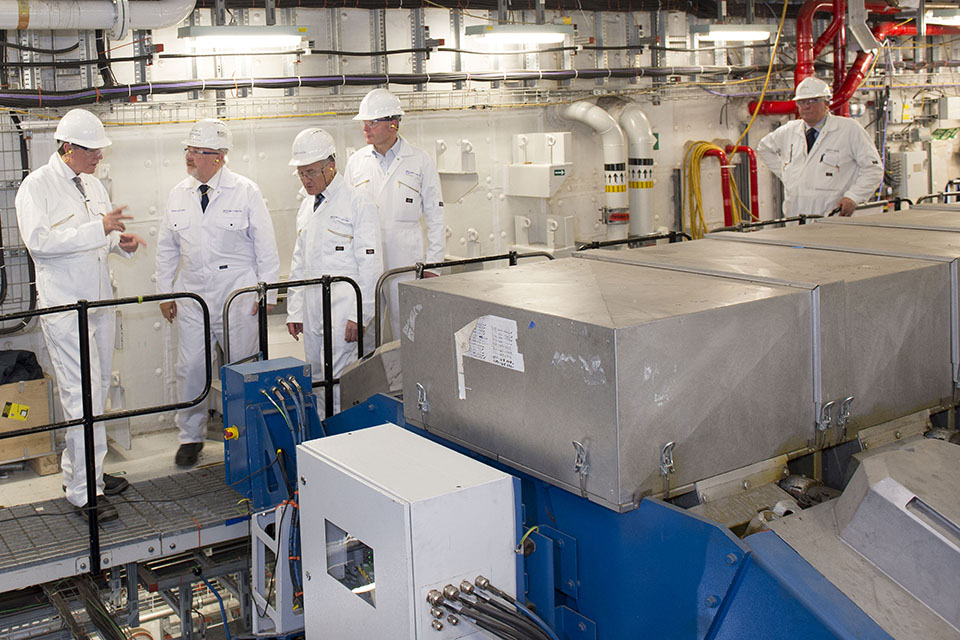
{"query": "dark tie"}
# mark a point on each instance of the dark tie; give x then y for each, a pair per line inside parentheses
(317, 199)
(811, 138)
(204, 198)
(76, 181)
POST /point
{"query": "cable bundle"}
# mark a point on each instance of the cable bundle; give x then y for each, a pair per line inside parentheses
(692, 158)
(495, 611)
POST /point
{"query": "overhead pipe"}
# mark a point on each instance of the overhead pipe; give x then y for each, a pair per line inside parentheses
(808, 51)
(90, 15)
(752, 160)
(616, 212)
(640, 142)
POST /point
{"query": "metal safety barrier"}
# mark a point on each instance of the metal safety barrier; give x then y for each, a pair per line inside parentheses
(82, 307)
(329, 382)
(420, 267)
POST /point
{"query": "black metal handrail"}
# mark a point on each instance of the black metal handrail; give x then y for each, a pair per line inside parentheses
(420, 267)
(82, 308)
(635, 241)
(328, 382)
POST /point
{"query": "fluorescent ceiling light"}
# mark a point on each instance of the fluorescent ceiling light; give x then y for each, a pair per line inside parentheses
(732, 32)
(521, 33)
(245, 38)
(949, 17)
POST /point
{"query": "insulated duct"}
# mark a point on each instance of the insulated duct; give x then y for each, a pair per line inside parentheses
(616, 211)
(119, 16)
(640, 142)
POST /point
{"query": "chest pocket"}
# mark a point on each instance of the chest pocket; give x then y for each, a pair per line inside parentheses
(178, 220)
(232, 220)
(337, 247)
(828, 171)
(408, 195)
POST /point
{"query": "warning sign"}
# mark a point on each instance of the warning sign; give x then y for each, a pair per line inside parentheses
(15, 411)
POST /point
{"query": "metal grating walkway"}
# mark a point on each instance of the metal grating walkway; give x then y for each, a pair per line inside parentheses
(49, 540)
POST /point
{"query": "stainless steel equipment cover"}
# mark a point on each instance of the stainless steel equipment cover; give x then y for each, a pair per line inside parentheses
(520, 364)
(882, 333)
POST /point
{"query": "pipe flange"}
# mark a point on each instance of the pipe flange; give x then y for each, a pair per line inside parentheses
(122, 21)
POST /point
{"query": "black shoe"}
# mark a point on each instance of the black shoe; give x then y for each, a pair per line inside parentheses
(187, 454)
(106, 512)
(112, 485)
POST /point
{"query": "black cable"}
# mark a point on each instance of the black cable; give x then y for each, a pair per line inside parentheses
(495, 626)
(103, 64)
(52, 52)
(71, 64)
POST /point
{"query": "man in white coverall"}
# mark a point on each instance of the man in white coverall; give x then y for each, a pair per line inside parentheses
(216, 229)
(404, 183)
(338, 234)
(824, 161)
(69, 226)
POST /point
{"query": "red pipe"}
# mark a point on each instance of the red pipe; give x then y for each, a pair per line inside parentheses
(754, 191)
(807, 51)
(840, 57)
(724, 184)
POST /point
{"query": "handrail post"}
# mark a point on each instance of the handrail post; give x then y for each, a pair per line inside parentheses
(327, 349)
(89, 456)
(262, 319)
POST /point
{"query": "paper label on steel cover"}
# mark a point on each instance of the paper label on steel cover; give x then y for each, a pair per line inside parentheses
(490, 339)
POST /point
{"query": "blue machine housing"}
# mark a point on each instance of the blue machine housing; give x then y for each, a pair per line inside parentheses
(657, 571)
(259, 443)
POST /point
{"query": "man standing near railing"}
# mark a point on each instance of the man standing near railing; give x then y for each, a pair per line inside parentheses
(338, 234)
(69, 226)
(405, 184)
(824, 161)
(216, 237)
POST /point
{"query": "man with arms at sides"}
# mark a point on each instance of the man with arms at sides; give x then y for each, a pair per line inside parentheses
(404, 183)
(217, 232)
(338, 234)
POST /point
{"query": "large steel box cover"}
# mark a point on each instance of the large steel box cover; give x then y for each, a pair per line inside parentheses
(934, 217)
(527, 364)
(921, 244)
(882, 333)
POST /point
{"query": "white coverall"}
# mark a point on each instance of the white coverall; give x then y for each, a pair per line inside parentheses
(229, 246)
(340, 238)
(407, 191)
(843, 163)
(64, 233)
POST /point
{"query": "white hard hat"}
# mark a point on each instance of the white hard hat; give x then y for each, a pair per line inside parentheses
(209, 133)
(812, 88)
(377, 104)
(312, 145)
(81, 127)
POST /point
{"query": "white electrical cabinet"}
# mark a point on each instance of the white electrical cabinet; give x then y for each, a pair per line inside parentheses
(911, 169)
(387, 515)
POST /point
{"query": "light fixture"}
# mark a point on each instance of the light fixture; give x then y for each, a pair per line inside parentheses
(521, 33)
(732, 32)
(245, 38)
(949, 17)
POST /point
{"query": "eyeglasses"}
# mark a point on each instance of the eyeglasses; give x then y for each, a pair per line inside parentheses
(380, 120)
(806, 102)
(199, 152)
(313, 173)
(83, 148)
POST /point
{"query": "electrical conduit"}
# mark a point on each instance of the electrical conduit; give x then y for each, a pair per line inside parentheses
(93, 14)
(640, 141)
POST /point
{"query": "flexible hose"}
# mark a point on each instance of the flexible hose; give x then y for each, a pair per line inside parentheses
(223, 610)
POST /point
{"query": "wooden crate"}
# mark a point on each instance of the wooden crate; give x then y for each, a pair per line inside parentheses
(26, 404)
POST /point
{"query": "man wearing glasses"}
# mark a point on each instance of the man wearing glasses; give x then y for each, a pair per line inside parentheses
(217, 231)
(69, 226)
(404, 183)
(338, 234)
(824, 161)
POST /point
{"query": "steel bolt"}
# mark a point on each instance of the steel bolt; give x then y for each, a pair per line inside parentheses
(307, 574)
(173, 545)
(732, 559)
(712, 602)
(149, 549)
(303, 480)
(436, 612)
(83, 565)
(436, 624)
(581, 627)
(745, 484)
(453, 620)
(571, 584)
(897, 435)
